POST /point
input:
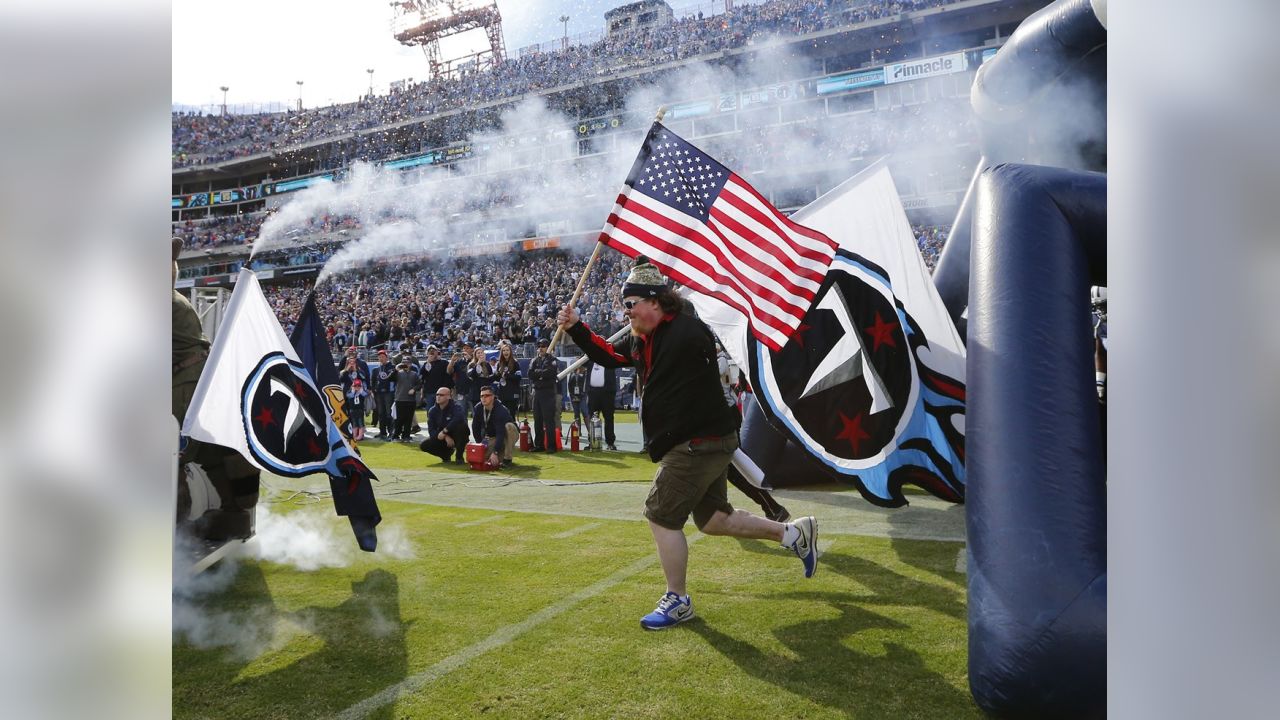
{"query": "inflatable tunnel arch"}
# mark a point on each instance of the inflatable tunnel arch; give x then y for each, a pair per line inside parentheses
(1028, 242)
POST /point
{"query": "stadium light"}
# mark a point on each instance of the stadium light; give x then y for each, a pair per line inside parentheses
(299, 95)
(224, 90)
(565, 43)
(370, 71)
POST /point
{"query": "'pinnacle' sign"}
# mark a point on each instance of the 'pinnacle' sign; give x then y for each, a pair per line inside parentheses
(928, 67)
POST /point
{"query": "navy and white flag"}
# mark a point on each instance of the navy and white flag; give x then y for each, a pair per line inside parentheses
(872, 383)
(308, 339)
(256, 396)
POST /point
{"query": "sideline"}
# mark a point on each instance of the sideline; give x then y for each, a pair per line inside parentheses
(499, 638)
(575, 531)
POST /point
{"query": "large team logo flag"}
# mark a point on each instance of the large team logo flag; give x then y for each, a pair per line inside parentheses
(704, 226)
(872, 382)
(257, 397)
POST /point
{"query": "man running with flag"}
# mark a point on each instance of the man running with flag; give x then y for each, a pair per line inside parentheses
(692, 433)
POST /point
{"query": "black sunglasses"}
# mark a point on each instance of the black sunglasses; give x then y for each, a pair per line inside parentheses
(628, 304)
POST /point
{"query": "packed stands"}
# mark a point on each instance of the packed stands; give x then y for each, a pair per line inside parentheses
(201, 138)
(475, 300)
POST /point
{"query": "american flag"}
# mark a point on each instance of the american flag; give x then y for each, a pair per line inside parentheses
(704, 226)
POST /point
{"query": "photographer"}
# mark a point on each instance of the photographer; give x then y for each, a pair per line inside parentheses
(458, 372)
(479, 372)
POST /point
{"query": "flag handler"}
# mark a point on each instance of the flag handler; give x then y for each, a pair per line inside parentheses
(692, 433)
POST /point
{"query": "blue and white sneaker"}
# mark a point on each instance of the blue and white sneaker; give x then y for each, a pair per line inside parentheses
(805, 546)
(671, 611)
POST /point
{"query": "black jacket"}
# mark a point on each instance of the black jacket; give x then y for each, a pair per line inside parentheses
(435, 375)
(495, 428)
(542, 371)
(384, 378)
(677, 370)
(452, 418)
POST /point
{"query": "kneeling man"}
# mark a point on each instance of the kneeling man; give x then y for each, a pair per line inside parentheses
(446, 428)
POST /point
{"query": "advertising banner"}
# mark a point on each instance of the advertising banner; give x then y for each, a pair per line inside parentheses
(927, 67)
(850, 81)
(690, 109)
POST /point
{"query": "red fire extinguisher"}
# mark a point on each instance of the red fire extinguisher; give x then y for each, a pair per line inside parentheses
(559, 443)
(574, 435)
(524, 435)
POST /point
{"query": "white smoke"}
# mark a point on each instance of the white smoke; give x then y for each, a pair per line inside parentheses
(316, 538)
(304, 540)
(528, 170)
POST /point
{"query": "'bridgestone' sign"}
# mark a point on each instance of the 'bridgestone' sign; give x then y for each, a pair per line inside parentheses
(916, 69)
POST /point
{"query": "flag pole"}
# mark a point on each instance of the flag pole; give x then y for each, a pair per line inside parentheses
(582, 281)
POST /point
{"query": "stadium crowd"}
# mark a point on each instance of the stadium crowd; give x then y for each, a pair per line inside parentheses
(243, 229)
(476, 301)
(472, 301)
(930, 239)
(199, 138)
(941, 123)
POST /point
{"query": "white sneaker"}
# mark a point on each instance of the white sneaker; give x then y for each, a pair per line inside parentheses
(805, 546)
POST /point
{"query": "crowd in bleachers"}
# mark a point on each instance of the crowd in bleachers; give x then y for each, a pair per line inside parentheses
(244, 229)
(930, 239)
(476, 301)
(199, 138)
(943, 123)
(479, 301)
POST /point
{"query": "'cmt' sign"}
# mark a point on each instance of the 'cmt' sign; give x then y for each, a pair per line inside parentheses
(928, 67)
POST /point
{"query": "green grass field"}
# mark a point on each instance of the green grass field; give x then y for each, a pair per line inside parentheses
(507, 614)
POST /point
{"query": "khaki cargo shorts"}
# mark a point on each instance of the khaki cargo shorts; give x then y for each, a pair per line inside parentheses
(692, 479)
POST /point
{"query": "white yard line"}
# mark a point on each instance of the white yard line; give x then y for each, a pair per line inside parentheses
(503, 636)
(575, 531)
(481, 521)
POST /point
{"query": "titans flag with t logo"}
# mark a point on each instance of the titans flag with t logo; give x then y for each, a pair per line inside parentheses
(871, 385)
(256, 396)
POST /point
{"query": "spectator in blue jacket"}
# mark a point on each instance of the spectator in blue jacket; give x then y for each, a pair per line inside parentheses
(446, 428)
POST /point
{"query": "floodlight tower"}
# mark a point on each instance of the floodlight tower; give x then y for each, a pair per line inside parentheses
(425, 22)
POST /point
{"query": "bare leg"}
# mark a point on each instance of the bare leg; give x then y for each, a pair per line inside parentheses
(743, 524)
(673, 553)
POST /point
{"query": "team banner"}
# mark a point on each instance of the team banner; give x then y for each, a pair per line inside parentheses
(872, 383)
(256, 396)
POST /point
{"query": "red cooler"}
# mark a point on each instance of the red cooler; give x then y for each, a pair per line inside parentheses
(475, 454)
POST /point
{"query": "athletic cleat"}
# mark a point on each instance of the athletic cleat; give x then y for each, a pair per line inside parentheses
(671, 611)
(806, 544)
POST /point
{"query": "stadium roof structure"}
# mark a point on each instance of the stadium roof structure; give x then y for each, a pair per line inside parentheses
(425, 22)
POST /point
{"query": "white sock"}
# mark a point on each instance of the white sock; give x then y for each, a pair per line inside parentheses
(790, 534)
